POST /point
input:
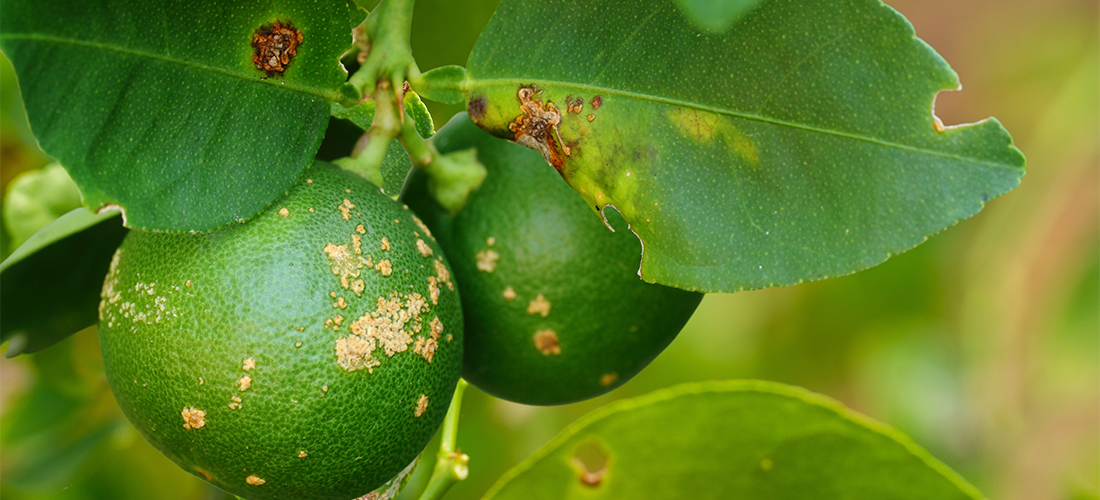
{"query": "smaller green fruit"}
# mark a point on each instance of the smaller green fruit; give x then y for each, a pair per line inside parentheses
(555, 311)
(310, 353)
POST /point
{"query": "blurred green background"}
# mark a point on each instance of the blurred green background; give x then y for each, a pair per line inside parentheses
(983, 344)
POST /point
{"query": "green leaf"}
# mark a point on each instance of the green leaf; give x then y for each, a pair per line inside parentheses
(733, 439)
(715, 15)
(52, 281)
(442, 84)
(160, 109)
(798, 146)
(36, 198)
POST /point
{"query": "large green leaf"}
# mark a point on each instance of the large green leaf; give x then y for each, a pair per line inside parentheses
(159, 108)
(797, 146)
(51, 283)
(735, 439)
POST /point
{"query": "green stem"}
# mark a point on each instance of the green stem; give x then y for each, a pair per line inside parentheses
(389, 59)
(451, 463)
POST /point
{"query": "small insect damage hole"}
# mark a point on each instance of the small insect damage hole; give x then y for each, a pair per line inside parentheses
(591, 462)
(537, 127)
(275, 44)
(603, 215)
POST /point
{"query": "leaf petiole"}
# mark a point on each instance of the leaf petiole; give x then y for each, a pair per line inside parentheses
(451, 463)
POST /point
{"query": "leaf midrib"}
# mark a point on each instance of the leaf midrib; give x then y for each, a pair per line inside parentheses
(469, 83)
(282, 84)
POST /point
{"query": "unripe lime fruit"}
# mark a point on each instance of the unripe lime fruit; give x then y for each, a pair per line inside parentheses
(555, 311)
(309, 353)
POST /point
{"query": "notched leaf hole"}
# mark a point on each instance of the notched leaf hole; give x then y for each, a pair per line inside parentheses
(591, 462)
(275, 44)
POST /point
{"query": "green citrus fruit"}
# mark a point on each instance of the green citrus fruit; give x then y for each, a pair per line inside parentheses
(555, 311)
(309, 353)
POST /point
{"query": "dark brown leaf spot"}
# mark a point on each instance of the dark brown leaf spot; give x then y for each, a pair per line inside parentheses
(597, 101)
(476, 108)
(276, 44)
(537, 127)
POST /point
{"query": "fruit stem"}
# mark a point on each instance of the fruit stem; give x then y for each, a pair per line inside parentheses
(451, 464)
(452, 177)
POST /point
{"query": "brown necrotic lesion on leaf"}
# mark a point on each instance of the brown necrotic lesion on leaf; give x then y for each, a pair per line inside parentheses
(275, 44)
(537, 127)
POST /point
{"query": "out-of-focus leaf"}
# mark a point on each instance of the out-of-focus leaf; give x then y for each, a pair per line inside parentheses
(51, 283)
(735, 439)
(159, 107)
(36, 198)
(800, 145)
(715, 15)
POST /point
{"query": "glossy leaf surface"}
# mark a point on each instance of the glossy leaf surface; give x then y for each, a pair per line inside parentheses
(159, 107)
(798, 145)
(735, 439)
(52, 281)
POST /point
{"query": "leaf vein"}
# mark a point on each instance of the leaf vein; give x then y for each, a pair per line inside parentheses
(509, 82)
(296, 87)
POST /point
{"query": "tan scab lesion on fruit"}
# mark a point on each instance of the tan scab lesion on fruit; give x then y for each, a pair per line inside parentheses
(284, 212)
(357, 286)
(193, 418)
(355, 353)
(385, 244)
(244, 383)
(421, 405)
(302, 454)
(537, 127)
(343, 264)
(384, 267)
(608, 378)
(248, 364)
(487, 260)
(433, 289)
(423, 248)
(426, 347)
(254, 480)
(436, 328)
(346, 208)
(234, 402)
(109, 295)
(443, 274)
(509, 294)
(340, 303)
(546, 341)
(539, 306)
(419, 223)
(491, 241)
(360, 229)
(275, 45)
(387, 327)
(357, 244)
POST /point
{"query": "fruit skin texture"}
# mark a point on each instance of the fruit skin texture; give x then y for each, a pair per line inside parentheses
(603, 325)
(212, 323)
